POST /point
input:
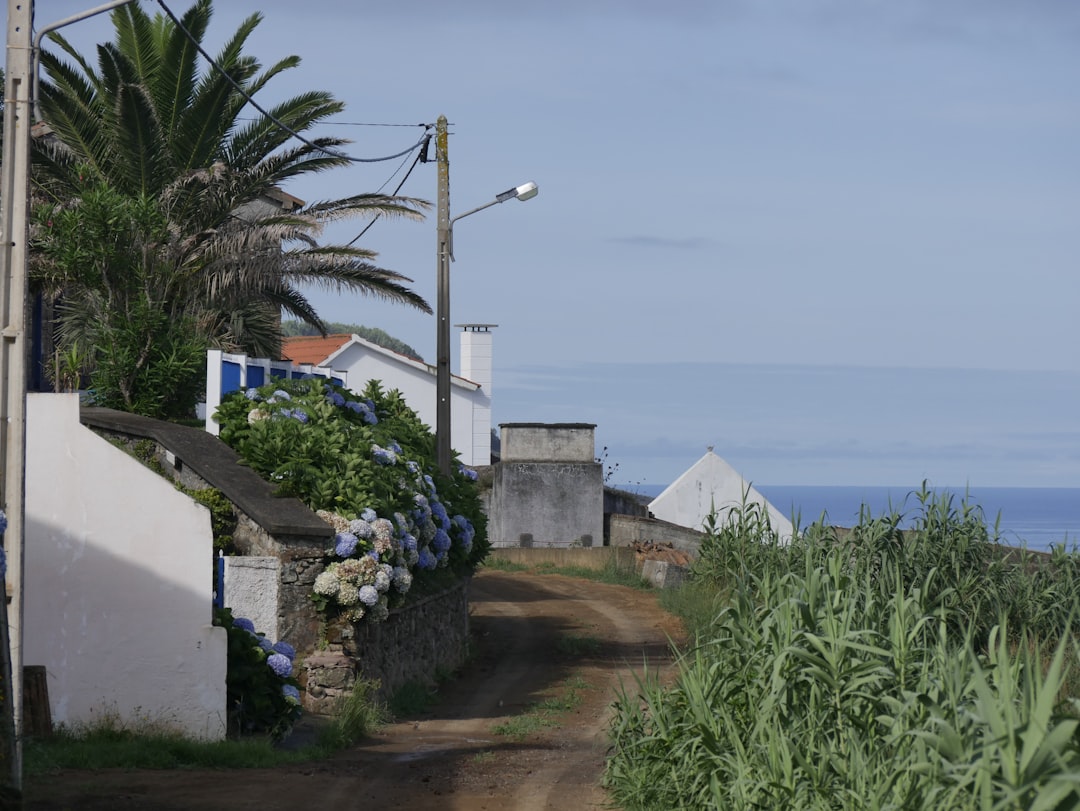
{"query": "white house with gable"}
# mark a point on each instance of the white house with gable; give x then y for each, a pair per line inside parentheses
(470, 393)
(711, 483)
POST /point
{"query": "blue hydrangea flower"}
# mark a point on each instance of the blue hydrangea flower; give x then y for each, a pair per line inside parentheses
(281, 394)
(285, 649)
(361, 528)
(281, 665)
(408, 542)
(3, 522)
(395, 447)
(469, 473)
(441, 542)
(373, 555)
(370, 418)
(369, 515)
(285, 412)
(290, 693)
(265, 643)
(412, 467)
(335, 398)
(245, 623)
(384, 456)
(354, 406)
(300, 415)
(3, 563)
(345, 544)
(369, 595)
(427, 560)
(252, 394)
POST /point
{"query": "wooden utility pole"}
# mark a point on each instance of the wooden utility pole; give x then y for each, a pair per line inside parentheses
(442, 313)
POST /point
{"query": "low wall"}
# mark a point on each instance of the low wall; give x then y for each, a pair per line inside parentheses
(413, 644)
(626, 530)
(590, 558)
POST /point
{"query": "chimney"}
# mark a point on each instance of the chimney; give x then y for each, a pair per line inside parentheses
(476, 366)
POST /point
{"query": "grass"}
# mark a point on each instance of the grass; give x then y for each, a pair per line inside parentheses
(612, 573)
(113, 744)
(544, 714)
(574, 645)
(412, 699)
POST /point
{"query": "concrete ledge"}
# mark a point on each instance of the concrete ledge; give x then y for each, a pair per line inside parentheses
(218, 465)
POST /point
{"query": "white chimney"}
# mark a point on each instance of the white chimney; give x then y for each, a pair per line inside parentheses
(476, 366)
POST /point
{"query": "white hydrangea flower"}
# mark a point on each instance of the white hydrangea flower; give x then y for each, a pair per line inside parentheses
(348, 594)
(327, 584)
(382, 581)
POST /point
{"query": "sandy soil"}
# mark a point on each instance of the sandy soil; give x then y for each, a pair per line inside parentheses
(536, 637)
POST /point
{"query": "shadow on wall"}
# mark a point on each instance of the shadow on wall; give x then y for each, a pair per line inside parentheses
(118, 584)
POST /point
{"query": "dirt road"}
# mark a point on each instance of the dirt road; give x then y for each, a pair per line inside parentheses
(549, 654)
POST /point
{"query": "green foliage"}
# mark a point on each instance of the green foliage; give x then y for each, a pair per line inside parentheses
(350, 456)
(357, 715)
(222, 514)
(295, 329)
(258, 700)
(875, 669)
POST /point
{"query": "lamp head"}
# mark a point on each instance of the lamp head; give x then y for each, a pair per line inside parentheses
(527, 191)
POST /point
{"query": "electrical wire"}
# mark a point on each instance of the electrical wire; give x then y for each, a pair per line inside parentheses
(282, 125)
(375, 219)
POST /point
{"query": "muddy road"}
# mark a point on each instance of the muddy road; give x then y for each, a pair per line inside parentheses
(549, 654)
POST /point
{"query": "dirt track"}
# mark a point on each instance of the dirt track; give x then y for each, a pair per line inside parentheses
(537, 637)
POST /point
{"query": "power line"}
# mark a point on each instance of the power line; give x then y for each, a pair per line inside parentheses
(375, 219)
(282, 125)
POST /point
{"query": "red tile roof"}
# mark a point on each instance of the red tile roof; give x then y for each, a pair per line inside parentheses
(312, 349)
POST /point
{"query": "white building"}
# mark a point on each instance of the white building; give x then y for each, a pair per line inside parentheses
(711, 483)
(470, 393)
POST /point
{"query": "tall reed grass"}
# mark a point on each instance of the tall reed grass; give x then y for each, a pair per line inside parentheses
(868, 669)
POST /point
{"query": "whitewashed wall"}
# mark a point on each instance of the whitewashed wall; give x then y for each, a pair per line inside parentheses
(118, 583)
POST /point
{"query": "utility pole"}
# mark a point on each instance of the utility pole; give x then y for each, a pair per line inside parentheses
(14, 233)
(442, 314)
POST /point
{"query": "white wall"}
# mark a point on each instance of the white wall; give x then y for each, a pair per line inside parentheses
(118, 583)
(417, 385)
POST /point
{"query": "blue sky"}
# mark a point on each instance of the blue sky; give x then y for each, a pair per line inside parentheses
(836, 240)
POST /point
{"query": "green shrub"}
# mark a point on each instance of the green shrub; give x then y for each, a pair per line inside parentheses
(366, 464)
(262, 695)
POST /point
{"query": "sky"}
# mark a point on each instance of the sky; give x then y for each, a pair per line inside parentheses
(835, 240)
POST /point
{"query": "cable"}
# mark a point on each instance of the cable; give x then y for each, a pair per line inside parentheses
(274, 119)
(375, 219)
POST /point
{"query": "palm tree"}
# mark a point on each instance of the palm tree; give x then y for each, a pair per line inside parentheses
(148, 125)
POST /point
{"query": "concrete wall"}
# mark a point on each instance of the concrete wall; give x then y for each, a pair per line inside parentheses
(553, 500)
(626, 530)
(118, 583)
(252, 587)
(555, 442)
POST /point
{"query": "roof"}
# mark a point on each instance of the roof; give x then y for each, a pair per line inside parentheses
(313, 349)
(319, 351)
(711, 483)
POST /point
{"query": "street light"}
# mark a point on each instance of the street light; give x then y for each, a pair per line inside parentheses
(526, 191)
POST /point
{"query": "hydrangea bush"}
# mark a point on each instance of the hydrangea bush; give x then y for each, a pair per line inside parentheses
(366, 464)
(262, 695)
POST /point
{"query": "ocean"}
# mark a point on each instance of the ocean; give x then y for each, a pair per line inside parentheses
(1035, 517)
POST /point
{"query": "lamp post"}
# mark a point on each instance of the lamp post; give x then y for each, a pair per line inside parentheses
(20, 99)
(445, 245)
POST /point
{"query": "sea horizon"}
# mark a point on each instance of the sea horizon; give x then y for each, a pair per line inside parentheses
(1035, 517)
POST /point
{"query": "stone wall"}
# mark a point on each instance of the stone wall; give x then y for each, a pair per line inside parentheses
(413, 644)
